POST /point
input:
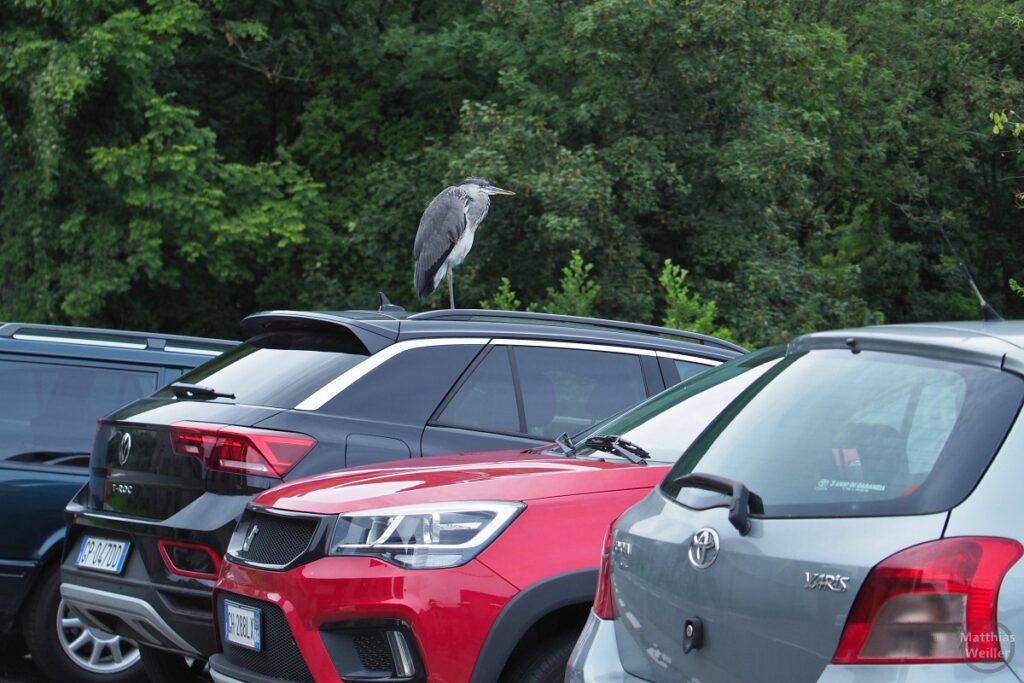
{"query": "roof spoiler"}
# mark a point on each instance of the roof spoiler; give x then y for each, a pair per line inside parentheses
(372, 337)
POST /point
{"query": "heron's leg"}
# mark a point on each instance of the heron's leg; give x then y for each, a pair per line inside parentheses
(451, 288)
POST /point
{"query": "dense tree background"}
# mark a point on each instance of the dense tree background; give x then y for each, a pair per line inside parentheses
(176, 164)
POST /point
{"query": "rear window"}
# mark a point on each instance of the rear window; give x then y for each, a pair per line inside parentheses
(279, 369)
(832, 433)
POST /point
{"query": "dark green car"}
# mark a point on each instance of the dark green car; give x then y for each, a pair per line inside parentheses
(55, 383)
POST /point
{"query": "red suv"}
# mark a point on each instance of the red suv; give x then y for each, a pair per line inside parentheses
(478, 567)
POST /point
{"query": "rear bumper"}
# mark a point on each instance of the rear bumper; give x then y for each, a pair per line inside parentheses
(96, 607)
(916, 673)
(147, 602)
(326, 599)
(595, 659)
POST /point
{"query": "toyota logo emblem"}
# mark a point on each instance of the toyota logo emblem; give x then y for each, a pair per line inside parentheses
(125, 449)
(703, 548)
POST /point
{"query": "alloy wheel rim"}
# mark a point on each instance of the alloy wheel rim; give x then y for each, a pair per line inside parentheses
(93, 650)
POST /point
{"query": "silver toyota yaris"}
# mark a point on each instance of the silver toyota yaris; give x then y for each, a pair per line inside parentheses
(855, 515)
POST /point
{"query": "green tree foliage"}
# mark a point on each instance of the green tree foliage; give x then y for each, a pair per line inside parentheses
(175, 164)
(577, 290)
(575, 295)
(686, 311)
(504, 299)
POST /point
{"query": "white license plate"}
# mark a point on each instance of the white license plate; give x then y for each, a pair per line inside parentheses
(104, 554)
(242, 625)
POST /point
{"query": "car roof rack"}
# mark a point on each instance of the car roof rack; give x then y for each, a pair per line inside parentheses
(95, 336)
(551, 318)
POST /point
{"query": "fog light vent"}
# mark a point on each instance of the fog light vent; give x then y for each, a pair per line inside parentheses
(373, 650)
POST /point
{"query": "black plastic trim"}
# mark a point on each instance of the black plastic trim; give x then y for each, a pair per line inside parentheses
(523, 611)
(371, 625)
(315, 549)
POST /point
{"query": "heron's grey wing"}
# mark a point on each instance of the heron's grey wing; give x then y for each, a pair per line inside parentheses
(441, 225)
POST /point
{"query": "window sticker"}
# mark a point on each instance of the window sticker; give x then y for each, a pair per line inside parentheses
(846, 485)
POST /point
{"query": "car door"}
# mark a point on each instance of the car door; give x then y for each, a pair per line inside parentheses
(524, 392)
(381, 415)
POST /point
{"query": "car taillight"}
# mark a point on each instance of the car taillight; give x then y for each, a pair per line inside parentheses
(931, 603)
(604, 602)
(248, 450)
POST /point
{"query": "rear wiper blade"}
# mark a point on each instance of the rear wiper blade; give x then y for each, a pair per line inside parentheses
(742, 501)
(618, 446)
(184, 390)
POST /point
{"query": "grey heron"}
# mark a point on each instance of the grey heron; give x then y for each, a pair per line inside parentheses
(446, 232)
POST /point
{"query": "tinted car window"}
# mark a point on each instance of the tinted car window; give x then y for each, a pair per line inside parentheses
(422, 377)
(666, 424)
(52, 408)
(834, 433)
(278, 369)
(487, 399)
(687, 369)
(569, 390)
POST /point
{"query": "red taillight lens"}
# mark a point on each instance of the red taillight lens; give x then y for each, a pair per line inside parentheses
(932, 603)
(241, 449)
(190, 559)
(604, 602)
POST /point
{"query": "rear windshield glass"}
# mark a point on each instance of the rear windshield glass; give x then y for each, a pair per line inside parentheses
(832, 433)
(666, 424)
(279, 369)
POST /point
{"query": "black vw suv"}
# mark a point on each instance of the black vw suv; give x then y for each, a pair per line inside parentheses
(308, 393)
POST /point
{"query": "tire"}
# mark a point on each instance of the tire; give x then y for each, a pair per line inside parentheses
(66, 650)
(544, 663)
(167, 667)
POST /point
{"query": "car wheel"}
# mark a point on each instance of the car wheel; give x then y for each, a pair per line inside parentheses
(544, 663)
(167, 667)
(65, 649)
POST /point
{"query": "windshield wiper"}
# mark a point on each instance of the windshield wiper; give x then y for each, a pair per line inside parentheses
(616, 445)
(565, 445)
(184, 390)
(741, 500)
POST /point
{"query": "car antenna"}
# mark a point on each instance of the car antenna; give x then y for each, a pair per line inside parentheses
(988, 313)
(386, 306)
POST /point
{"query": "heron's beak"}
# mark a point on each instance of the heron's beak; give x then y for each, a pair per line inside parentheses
(497, 190)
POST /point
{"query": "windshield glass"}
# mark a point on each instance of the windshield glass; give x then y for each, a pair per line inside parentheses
(667, 423)
(834, 433)
(277, 369)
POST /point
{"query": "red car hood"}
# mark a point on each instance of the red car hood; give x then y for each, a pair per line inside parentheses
(504, 475)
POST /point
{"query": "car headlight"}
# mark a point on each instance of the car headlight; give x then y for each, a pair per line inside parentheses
(429, 536)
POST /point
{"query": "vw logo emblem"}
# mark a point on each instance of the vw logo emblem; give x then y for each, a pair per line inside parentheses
(704, 548)
(125, 449)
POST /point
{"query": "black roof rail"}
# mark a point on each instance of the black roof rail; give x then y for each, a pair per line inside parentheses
(70, 334)
(617, 325)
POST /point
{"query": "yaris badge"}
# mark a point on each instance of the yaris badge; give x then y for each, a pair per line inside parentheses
(703, 548)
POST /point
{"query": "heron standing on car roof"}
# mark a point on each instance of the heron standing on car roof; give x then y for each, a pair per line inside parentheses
(446, 232)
